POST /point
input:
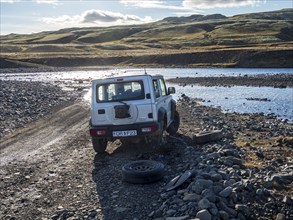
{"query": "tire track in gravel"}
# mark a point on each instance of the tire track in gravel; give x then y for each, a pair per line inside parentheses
(39, 137)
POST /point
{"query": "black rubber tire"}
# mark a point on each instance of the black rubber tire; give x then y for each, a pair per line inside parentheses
(158, 139)
(143, 171)
(99, 145)
(174, 126)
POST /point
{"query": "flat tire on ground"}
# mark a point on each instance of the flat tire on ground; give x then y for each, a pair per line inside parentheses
(99, 145)
(174, 126)
(143, 171)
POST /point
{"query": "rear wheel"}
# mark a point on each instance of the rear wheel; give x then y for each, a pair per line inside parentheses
(158, 139)
(99, 145)
(174, 126)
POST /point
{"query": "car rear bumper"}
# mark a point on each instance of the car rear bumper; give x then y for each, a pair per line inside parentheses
(125, 131)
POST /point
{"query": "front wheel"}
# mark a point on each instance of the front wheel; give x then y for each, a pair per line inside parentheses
(99, 145)
(174, 126)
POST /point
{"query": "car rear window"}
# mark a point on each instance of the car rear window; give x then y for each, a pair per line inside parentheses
(119, 91)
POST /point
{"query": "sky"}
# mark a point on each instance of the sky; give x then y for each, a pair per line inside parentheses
(32, 16)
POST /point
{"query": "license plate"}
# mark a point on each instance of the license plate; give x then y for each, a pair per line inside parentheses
(124, 133)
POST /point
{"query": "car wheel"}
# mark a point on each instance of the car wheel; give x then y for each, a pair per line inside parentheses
(174, 126)
(142, 171)
(99, 145)
(158, 139)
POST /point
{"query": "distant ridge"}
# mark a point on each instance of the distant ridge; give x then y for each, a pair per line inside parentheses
(248, 40)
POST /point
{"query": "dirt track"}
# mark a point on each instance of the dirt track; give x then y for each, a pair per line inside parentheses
(36, 160)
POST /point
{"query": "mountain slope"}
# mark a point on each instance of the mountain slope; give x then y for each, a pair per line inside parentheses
(248, 40)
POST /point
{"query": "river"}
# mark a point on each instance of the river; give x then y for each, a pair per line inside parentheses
(229, 99)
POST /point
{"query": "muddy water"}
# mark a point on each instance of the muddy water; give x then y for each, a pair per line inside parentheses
(240, 99)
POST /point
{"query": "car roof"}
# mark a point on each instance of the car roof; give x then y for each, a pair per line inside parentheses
(127, 77)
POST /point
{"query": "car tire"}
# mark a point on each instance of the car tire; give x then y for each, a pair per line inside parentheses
(158, 139)
(174, 126)
(99, 145)
(143, 171)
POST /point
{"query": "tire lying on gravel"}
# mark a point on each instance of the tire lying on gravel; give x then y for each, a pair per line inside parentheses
(143, 171)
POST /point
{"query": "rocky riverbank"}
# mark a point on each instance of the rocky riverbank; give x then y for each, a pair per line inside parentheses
(246, 175)
(23, 102)
(277, 80)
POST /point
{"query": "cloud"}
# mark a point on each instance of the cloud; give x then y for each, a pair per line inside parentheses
(97, 17)
(50, 2)
(93, 16)
(151, 4)
(200, 4)
(9, 1)
(187, 6)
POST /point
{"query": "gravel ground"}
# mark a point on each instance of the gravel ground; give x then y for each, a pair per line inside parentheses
(49, 171)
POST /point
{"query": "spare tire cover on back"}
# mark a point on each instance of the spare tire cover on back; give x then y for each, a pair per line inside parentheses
(142, 171)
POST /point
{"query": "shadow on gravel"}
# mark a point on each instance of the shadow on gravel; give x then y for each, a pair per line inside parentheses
(121, 200)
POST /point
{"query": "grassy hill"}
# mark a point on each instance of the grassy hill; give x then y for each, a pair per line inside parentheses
(248, 40)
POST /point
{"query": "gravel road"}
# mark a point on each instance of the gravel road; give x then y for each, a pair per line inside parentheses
(48, 169)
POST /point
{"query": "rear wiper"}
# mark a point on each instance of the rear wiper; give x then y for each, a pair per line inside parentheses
(122, 102)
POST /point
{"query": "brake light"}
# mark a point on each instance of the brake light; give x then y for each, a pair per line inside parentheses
(149, 129)
(98, 132)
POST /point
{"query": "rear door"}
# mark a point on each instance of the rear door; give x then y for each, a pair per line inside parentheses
(121, 101)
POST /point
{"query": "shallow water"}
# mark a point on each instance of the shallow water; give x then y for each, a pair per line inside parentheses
(229, 99)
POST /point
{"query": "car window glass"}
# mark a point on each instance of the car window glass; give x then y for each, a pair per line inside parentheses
(163, 87)
(156, 88)
(120, 91)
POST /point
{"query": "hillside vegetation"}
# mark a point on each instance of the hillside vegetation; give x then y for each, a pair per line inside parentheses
(248, 40)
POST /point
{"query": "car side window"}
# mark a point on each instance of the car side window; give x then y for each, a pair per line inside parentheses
(156, 88)
(163, 87)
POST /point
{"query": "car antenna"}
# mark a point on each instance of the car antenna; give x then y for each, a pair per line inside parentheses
(145, 72)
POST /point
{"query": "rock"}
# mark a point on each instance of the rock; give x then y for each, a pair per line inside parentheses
(288, 200)
(282, 179)
(170, 212)
(216, 177)
(243, 208)
(224, 207)
(204, 204)
(209, 194)
(224, 215)
(185, 217)
(259, 192)
(280, 216)
(120, 209)
(213, 209)
(191, 197)
(206, 137)
(204, 215)
(260, 155)
(226, 192)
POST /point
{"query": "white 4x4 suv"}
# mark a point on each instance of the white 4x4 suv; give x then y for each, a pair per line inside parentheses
(132, 108)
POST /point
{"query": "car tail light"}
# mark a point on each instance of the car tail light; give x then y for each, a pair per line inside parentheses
(98, 132)
(149, 129)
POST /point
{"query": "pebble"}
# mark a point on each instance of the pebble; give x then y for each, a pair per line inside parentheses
(204, 215)
(226, 192)
(204, 204)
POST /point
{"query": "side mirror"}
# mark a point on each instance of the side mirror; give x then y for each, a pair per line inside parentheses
(171, 90)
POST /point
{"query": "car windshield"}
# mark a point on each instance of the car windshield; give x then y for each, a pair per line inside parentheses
(119, 91)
